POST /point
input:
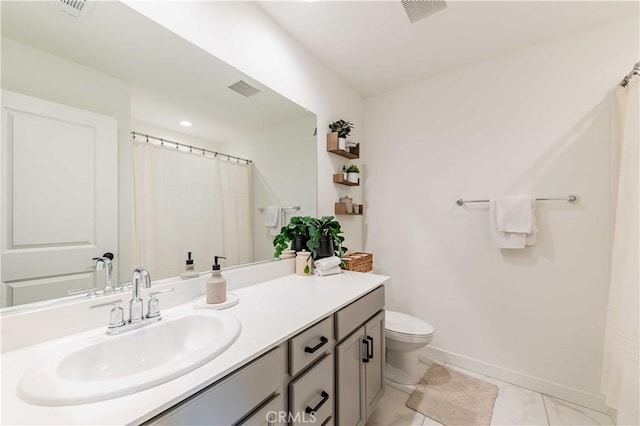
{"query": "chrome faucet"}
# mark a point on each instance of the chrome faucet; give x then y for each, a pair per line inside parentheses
(136, 304)
(105, 263)
(137, 319)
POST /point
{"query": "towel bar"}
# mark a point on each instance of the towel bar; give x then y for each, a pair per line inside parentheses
(296, 208)
(570, 198)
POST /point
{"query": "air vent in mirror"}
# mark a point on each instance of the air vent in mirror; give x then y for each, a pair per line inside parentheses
(244, 88)
(418, 9)
(72, 7)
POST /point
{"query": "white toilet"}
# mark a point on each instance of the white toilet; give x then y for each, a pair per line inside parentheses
(404, 336)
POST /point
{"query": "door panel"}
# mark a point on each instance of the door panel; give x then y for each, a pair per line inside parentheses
(374, 369)
(350, 380)
(59, 196)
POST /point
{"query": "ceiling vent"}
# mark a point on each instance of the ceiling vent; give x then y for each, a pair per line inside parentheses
(418, 9)
(244, 88)
(72, 7)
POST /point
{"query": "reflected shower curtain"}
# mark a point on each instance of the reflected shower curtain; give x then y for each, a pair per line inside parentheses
(620, 366)
(185, 202)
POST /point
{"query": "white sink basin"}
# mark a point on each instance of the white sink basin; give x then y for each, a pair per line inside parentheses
(106, 367)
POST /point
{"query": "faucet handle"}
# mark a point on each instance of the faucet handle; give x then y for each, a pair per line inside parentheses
(154, 304)
(116, 315)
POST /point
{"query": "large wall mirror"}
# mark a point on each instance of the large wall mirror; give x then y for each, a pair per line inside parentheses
(120, 137)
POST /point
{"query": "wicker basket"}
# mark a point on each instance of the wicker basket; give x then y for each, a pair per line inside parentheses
(358, 262)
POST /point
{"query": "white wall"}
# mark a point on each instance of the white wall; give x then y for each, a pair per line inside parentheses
(534, 121)
(36, 73)
(241, 34)
(284, 174)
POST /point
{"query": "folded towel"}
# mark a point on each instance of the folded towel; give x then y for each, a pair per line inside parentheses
(514, 213)
(330, 271)
(503, 240)
(327, 262)
(273, 219)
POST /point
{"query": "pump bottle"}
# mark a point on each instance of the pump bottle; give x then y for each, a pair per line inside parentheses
(189, 271)
(216, 285)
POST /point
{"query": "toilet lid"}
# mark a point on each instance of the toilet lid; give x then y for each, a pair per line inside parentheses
(406, 324)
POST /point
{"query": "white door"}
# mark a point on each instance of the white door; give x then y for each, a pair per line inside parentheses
(59, 197)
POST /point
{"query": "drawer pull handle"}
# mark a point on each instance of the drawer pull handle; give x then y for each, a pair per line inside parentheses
(370, 347)
(325, 397)
(323, 341)
(365, 356)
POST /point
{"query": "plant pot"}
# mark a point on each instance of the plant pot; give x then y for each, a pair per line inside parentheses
(299, 243)
(353, 177)
(342, 144)
(325, 249)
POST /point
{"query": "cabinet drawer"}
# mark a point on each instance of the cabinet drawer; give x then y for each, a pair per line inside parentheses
(313, 391)
(229, 400)
(310, 345)
(354, 315)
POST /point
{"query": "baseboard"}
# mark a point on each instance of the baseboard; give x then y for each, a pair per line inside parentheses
(586, 399)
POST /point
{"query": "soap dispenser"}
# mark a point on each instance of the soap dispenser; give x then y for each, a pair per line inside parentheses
(189, 271)
(216, 285)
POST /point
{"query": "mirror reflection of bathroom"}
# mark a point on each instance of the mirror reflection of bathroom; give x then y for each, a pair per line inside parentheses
(129, 140)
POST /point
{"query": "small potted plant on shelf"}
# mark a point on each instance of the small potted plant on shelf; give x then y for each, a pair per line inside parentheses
(343, 128)
(295, 232)
(325, 239)
(353, 174)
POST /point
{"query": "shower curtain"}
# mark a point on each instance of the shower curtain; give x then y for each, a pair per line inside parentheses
(620, 366)
(185, 202)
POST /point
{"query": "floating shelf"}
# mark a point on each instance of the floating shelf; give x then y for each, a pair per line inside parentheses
(341, 208)
(339, 178)
(332, 146)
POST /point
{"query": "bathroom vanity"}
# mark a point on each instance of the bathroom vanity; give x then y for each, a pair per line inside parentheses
(310, 347)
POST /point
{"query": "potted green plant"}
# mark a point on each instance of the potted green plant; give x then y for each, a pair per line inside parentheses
(343, 128)
(353, 173)
(295, 232)
(325, 239)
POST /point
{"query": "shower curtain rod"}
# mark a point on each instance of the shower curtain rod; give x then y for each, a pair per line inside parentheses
(190, 147)
(627, 78)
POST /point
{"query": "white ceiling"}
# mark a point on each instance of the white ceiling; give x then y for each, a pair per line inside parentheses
(374, 48)
(171, 79)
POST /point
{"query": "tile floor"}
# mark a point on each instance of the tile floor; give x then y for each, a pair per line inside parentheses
(514, 406)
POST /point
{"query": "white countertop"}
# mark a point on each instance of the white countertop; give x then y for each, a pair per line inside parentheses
(270, 313)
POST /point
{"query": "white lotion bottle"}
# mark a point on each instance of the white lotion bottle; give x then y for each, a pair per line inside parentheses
(216, 285)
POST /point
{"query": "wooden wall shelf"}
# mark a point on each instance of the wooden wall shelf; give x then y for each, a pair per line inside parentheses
(339, 178)
(332, 146)
(341, 208)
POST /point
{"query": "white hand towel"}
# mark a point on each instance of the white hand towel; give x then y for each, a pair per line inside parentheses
(514, 213)
(330, 271)
(327, 262)
(273, 219)
(503, 240)
(531, 237)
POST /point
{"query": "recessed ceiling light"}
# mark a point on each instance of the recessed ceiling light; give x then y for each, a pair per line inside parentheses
(185, 123)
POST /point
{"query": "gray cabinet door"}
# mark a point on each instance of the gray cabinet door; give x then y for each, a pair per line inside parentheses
(349, 408)
(374, 368)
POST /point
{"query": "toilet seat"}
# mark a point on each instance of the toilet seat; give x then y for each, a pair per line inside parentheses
(405, 326)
